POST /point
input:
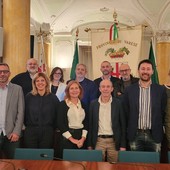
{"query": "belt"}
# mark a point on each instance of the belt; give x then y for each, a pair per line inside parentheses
(144, 130)
(74, 130)
(105, 136)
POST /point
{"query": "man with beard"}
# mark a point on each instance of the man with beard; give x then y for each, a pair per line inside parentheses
(144, 104)
(25, 79)
(11, 113)
(106, 70)
(89, 87)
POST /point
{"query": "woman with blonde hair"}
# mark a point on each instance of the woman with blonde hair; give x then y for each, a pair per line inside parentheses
(40, 114)
(72, 118)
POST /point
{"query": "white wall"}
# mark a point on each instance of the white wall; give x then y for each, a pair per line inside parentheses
(63, 51)
(62, 54)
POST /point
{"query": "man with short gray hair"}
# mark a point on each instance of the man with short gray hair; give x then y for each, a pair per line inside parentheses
(107, 124)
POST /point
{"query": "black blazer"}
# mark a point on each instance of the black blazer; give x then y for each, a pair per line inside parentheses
(158, 105)
(118, 123)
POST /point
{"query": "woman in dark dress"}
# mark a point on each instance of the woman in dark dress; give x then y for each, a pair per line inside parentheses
(40, 114)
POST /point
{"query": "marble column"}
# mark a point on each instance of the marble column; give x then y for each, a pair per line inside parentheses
(16, 25)
(163, 57)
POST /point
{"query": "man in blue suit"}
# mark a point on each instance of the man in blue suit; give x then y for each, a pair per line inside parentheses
(144, 103)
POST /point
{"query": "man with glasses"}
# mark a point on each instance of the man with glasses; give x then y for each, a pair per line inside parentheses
(11, 113)
(126, 79)
(25, 79)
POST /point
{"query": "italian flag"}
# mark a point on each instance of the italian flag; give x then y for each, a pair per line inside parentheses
(113, 32)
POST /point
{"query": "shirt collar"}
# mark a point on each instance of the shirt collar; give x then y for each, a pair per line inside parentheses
(145, 86)
(70, 104)
(6, 86)
(108, 77)
(110, 101)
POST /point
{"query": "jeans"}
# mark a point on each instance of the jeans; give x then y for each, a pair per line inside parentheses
(145, 142)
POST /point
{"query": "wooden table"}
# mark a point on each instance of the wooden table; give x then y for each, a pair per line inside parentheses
(66, 165)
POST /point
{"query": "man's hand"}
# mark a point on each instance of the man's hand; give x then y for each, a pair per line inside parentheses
(13, 137)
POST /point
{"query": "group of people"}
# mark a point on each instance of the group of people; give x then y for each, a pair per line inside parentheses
(109, 114)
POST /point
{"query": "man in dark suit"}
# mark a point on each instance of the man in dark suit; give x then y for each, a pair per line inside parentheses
(25, 79)
(107, 123)
(106, 70)
(144, 103)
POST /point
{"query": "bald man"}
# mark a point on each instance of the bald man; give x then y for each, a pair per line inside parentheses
(125, 80)
(106, 70)
(25, 79)
(107, 123)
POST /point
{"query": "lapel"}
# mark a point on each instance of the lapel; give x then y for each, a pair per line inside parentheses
(135, 95)
(97, 112)
(9, 94)
(153, 95)
(113, 109)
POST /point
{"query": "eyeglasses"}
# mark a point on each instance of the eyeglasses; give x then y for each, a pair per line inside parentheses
(126, 70)
(57, 73)
(4, 71)
(30, 64)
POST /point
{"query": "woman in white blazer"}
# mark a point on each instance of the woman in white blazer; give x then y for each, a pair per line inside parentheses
(57, 83)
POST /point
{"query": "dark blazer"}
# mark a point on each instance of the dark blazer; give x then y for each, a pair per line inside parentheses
(118, 123)
(158, 105)
(120, 85)
(24, 80)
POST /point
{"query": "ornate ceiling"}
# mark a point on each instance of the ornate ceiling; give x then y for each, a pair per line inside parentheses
(62, 17)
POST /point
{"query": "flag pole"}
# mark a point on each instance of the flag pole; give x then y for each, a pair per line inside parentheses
(75, 58)
(42, 62)
(113, 35)
(152, 58)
